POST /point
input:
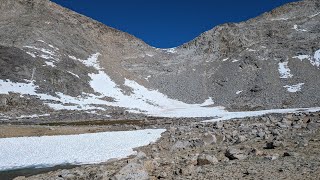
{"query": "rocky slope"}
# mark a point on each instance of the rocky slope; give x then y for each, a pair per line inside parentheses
(268, 147)
(53, 59)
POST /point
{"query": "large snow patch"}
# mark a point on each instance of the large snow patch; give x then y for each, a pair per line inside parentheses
(48, 151)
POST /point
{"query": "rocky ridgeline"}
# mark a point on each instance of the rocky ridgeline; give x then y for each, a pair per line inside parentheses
(272, 146)
(267, 62)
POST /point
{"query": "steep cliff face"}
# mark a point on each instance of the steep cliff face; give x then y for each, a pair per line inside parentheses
(53, 56)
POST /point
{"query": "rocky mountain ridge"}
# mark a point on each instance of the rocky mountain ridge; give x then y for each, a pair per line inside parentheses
(55, 57)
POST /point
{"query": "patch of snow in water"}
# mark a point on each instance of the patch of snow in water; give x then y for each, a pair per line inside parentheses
(48, 151)
(294, 88)
(284, 70)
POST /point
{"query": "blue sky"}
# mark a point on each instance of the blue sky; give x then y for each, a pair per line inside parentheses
(169, 23)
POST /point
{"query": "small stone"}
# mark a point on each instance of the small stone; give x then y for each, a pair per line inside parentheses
(141, 155)
(289, 117)
(251, 171)
(273, 144)
(219, 125)
(297, 126)
(282, 125)
(272, 157)
(293, 154)
(261, 134)
(189, 170)
(313, 126)
(234, 153)
(205, 159)
(257, 152)
(180, 145)
(241, 139)
(209, 139)
(132, 171)
(275, 132)
(303, 143)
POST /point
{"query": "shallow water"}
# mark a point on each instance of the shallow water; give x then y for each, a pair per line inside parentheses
(8, 175)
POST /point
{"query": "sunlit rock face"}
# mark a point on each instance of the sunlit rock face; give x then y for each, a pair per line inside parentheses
(53, 59)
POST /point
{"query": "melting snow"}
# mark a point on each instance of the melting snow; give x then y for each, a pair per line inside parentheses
(233, 115)
(314, 15)
(50, 64)
(31, 54)
(295, 27)
(73, 74)
(302, 57)
(208, 102)
(170, 50)
(47, 54)
(45, 51)
(316, 56)
(141, 100)
(284, 70)
(294, 88)
(147, 78)
(238, 92)
(32, 116)
(251, 50)
(315, 60)
(149, 54)
(279, 19)
(48, 151)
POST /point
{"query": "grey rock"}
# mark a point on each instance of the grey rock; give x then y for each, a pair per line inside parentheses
(241, 139)
(180, 145)
(274, 144)
(132, 171)
(205, 159)
(209, 138)
(235, 153)
(272, 157)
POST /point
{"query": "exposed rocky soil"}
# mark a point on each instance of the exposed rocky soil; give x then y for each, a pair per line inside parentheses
(268, 147)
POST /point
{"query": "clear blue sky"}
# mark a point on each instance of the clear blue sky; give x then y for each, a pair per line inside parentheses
(169, 23)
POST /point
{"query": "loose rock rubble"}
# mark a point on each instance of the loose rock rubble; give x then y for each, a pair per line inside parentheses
(251, 148)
